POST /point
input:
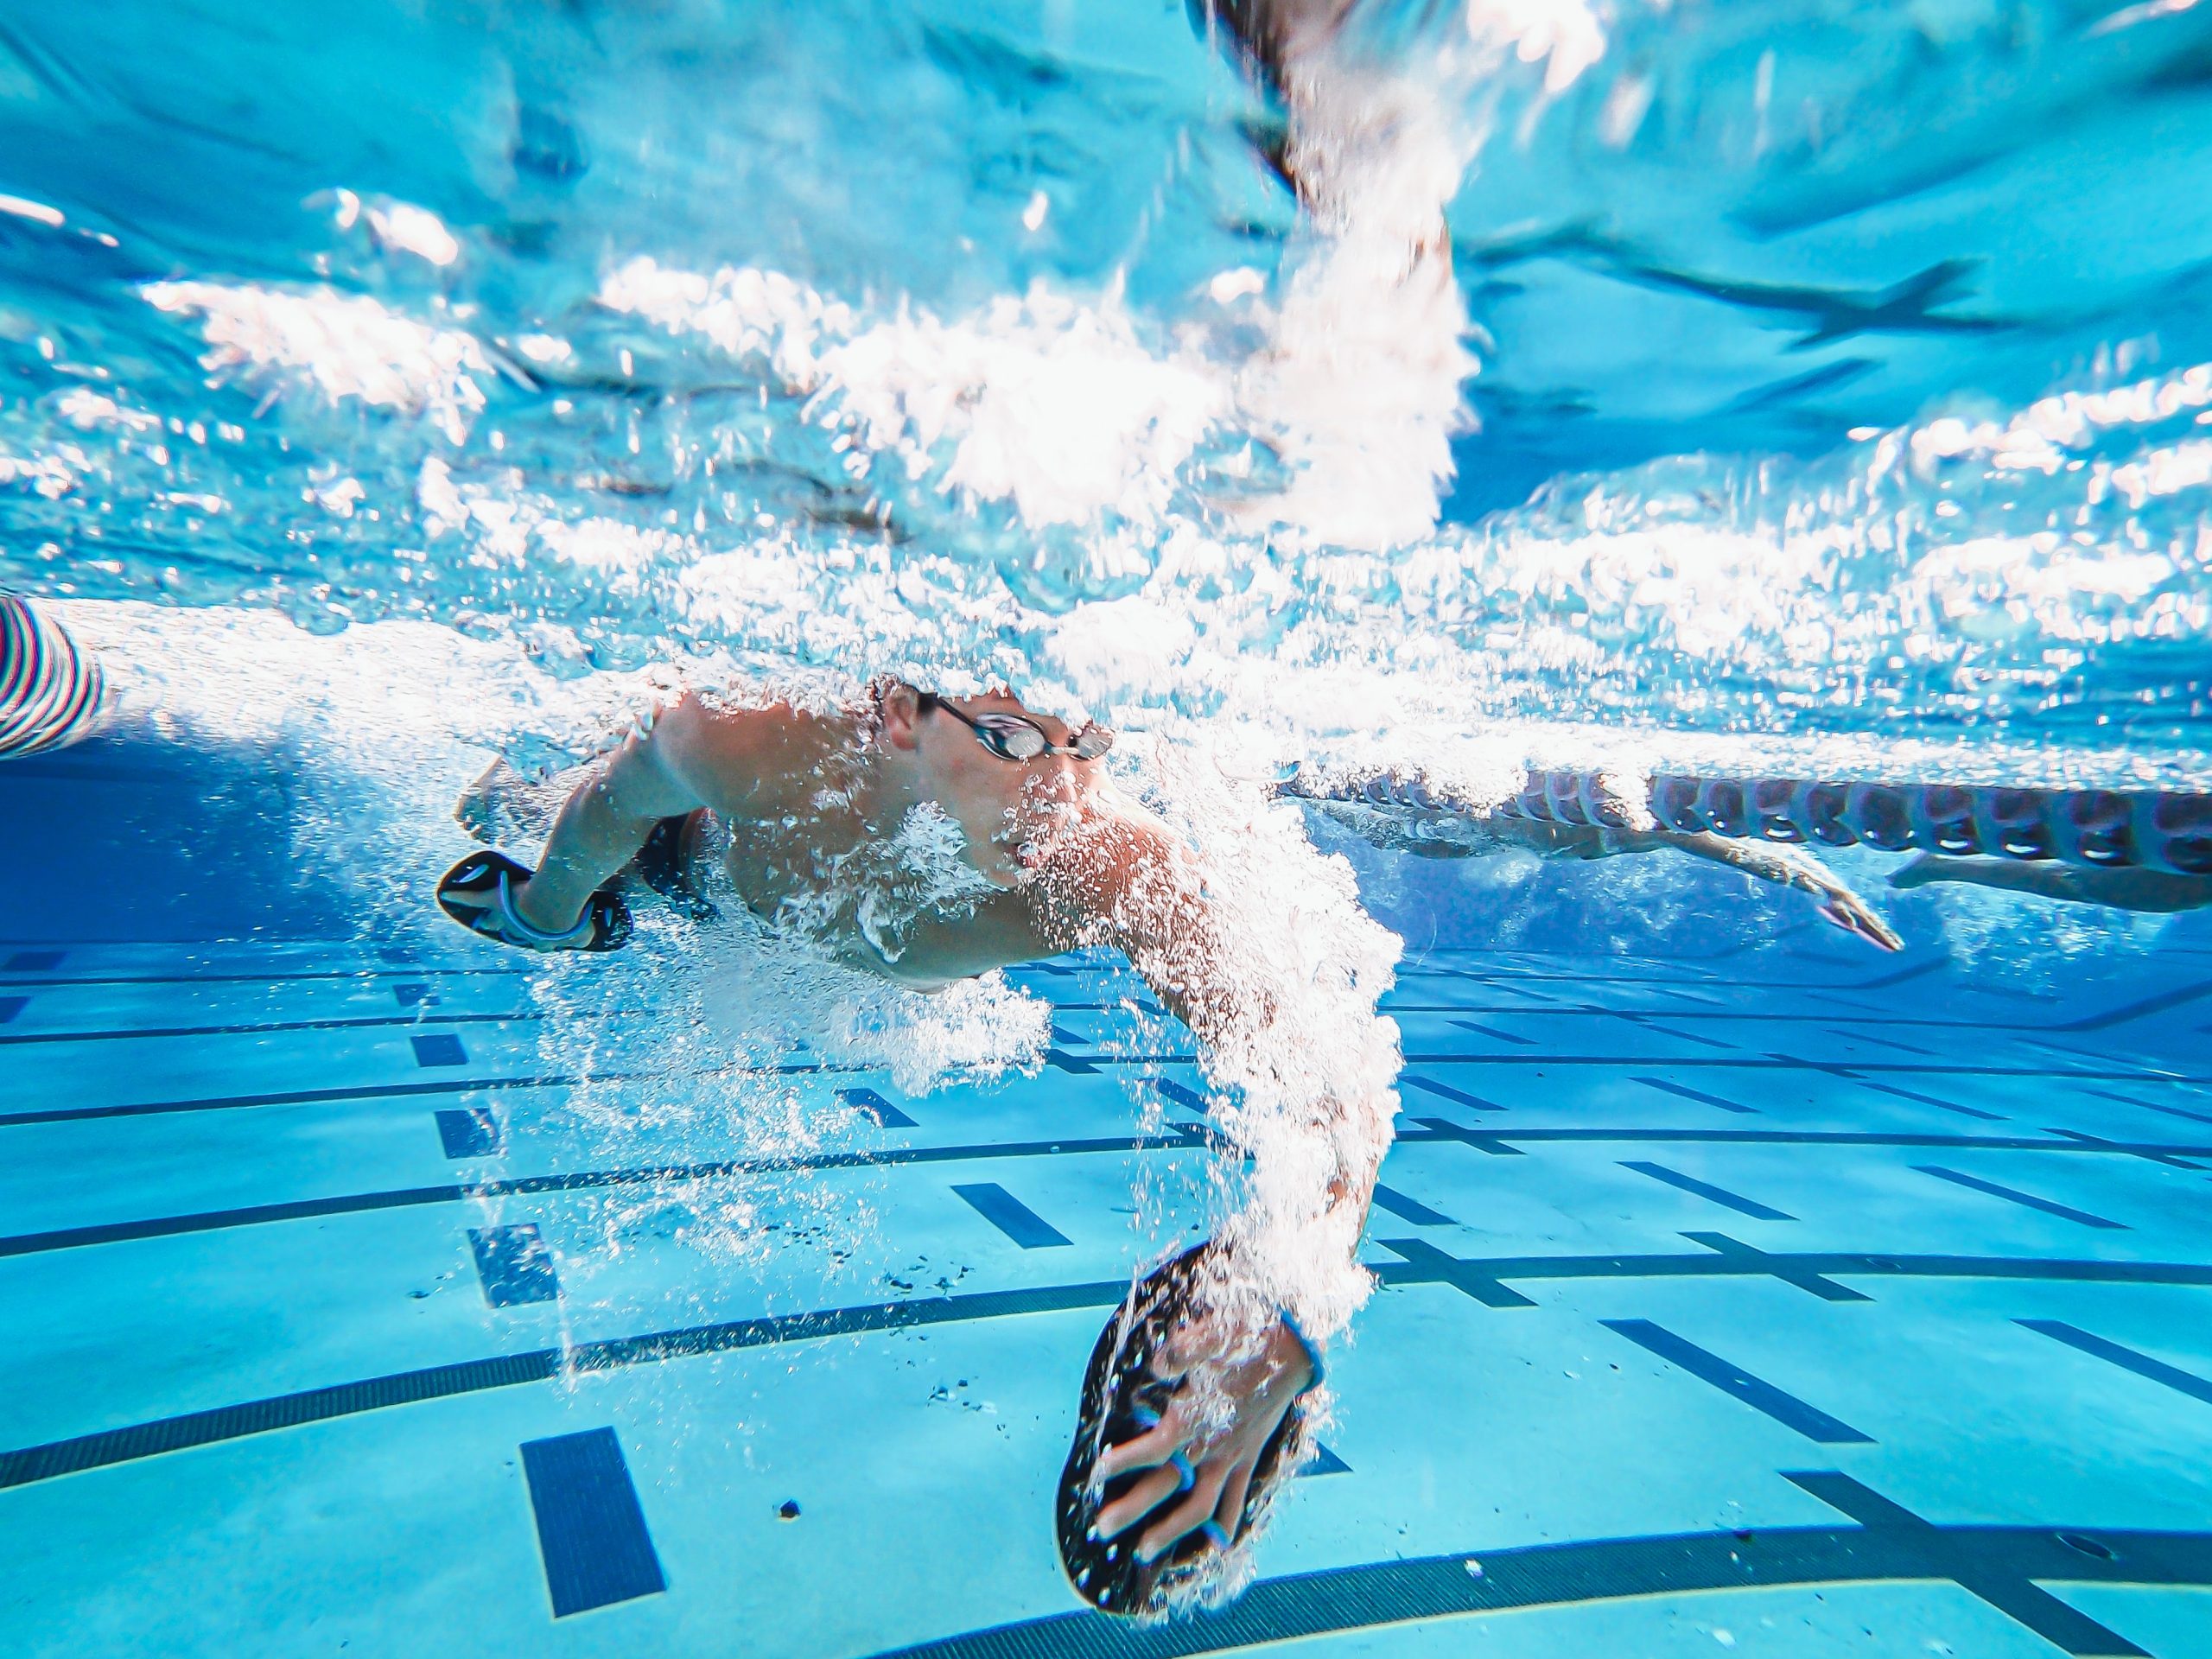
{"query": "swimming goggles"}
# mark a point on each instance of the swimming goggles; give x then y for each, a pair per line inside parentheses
(1017, 737)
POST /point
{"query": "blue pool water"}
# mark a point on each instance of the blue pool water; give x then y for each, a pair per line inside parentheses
(1789, 391)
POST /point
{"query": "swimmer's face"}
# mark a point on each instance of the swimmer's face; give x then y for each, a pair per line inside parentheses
(997, 803)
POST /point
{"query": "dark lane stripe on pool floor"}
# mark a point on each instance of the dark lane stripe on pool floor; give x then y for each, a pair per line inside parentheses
(2012, 1194)
(886, 1115)
(147, 1440)
(1956, 1109)
(1446, 1091)
(438, 1049)
(1734, 1380)
(1413, 1209)
(64, 1238)
(1184, 1137)
(10, 1007)
(513, 1265)
(1526, 1577)
(1720, 1195)
(161, 1435)
(379, 1092)
(591, 1530)
(1685, 1092)
(2112, 1353)
(1012, 1216)
(471, 1132)
(281, 1028)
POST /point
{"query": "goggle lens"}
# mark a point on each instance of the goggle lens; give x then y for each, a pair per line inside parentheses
(1011, 738)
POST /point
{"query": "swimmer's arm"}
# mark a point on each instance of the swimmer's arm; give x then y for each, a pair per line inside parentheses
(1135, 887)
(1140, 891)
(667, 768)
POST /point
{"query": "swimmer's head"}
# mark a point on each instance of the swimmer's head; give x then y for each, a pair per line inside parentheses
(970, 764)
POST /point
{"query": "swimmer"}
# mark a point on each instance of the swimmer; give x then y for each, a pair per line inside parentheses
(1459, 834)
(2156, 892)
(806, 814)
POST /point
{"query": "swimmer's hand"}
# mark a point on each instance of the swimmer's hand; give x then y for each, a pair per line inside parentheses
(487, 893)
(1259, 1389)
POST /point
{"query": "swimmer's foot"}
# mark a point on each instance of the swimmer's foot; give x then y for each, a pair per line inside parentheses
(1126, 1399)
(479, 893)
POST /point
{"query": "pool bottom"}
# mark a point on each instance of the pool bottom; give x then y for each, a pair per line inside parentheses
(1810, 1302)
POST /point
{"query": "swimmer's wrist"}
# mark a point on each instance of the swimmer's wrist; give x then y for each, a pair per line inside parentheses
(1312, 1350)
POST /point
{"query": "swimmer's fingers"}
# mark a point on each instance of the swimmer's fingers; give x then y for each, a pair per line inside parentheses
(1150, 1450)
(1145, 1495)
(1228, 1514)
(1197, 1507)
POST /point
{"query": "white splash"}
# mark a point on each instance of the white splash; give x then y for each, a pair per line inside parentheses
(349, 346)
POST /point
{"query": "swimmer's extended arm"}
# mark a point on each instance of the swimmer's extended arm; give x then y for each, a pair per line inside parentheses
(1132, 886)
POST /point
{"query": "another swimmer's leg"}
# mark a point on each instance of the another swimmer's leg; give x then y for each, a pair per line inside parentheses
(2153, 891)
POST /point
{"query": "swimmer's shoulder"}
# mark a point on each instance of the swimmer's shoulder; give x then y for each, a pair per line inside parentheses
(745, 749)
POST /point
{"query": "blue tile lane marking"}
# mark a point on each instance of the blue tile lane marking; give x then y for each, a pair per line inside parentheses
(1068, 1063)
(1061, 1034)
(470, 1132)
(1444, 1129)
(1998, 1564)
(591, 1532)
(1732, 1380)
(2165, 1158)
(1812, 1281)
(1651, 1023)
(33, 962)
(1012, 1216)
(1492, 1030)
(1446, 1091)
(514, 1265)
(439, 1048)
(1925, 1100)
(2065, 1212)
(28, 1466)
(1698, 1095)
(1720, 1195)
(1466, 1277)
(1408, 1209)
(12, 1006)
(414, 996)
(2127, 1359)
(1181, 1096)
(875, 1106)
(1890, 1525)
(2172, 1111)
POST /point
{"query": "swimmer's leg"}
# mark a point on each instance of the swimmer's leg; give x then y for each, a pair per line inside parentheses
(2152, 891)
